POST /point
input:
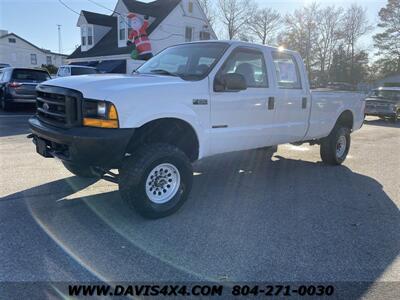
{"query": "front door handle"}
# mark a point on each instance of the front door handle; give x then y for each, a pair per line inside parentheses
(271, 103)
(304, 103)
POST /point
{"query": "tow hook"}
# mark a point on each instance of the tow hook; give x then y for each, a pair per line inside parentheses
(30, 136)
(109, 176)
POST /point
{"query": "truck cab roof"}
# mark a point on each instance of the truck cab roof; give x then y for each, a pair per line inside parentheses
(244, 44)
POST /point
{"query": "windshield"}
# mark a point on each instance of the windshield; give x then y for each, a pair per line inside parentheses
(386, 94)
(188, 61)
(82, 71)
(21, 75)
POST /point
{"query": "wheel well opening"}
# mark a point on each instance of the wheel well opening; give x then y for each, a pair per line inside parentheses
(170, 131)
(346, 119)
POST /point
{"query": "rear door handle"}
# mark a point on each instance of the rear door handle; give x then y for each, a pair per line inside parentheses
(304, 103)
(271, 103)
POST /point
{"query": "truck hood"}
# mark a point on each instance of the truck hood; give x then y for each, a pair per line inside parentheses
(104, 86)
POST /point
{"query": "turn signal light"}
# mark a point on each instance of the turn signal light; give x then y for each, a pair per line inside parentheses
(100, 123)
(112, 113)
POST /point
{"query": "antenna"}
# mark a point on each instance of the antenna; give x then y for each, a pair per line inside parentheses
(59, 39)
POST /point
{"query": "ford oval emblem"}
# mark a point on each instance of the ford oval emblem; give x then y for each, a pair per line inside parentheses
(46, 107)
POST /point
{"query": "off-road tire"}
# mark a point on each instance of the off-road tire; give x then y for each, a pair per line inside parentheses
(134, 174)
(328, 149)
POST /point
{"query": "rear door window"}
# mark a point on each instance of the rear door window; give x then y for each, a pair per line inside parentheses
(21, 75)
(287, 71)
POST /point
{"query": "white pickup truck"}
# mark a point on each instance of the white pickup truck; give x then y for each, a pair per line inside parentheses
(189, 102)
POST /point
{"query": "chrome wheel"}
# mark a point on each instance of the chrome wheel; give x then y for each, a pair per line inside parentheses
(163, 183)
(341, 146)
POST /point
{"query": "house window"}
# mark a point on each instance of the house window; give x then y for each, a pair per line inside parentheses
(122, 28)
(204, 36)
(190, 7)
(49, 60)
(87, 35)
(12, 40)
(83, 35)
(90, 36)
(33, 59)
(189, 34)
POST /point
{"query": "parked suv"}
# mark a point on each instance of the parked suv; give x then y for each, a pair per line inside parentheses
(73, 70)
(384, 102)
(18, 85)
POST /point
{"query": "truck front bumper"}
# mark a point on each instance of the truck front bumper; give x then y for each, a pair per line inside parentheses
(380, 113)
(84, 146)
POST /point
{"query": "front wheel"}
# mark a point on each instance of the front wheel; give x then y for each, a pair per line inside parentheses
(156, 180)
(396, 117)
(336, 146)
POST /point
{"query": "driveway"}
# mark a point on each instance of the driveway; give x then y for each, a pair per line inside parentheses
(249, 218)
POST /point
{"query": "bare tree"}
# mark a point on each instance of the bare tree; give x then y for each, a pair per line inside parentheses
(209, 10)
(301, 33)
(265, 24)
(235, 15)
(387, 42)
(355, 25)
(329, 34)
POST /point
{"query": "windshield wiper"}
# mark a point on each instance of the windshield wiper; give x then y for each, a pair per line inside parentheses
(163, 72)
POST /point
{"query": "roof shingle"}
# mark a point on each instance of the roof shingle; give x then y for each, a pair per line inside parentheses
(98, 19)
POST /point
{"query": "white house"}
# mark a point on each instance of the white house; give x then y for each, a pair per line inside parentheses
(104, 37)
(18, 52)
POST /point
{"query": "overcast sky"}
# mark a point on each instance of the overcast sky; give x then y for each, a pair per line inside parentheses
(36, 20)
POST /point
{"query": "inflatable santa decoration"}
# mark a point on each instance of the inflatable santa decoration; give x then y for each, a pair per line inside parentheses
(138, 36)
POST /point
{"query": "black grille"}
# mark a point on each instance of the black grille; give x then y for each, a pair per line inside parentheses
(377, 104)
(59, 107)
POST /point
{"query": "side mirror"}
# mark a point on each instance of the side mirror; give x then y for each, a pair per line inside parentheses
(231, 82)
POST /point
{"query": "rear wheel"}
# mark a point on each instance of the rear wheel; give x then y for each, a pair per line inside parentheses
(156, 180)
(336, 146)
(80, 171)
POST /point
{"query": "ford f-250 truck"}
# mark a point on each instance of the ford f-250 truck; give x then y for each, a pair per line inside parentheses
(189, 102)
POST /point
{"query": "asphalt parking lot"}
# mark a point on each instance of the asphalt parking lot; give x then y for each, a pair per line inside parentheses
(249, 218)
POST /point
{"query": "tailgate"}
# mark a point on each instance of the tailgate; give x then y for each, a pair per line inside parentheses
(28, 89)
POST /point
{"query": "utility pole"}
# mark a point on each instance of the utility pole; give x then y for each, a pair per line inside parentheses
(59, 39)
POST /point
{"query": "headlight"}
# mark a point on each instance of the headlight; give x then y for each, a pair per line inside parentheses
(101, 109)
(100, 114)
